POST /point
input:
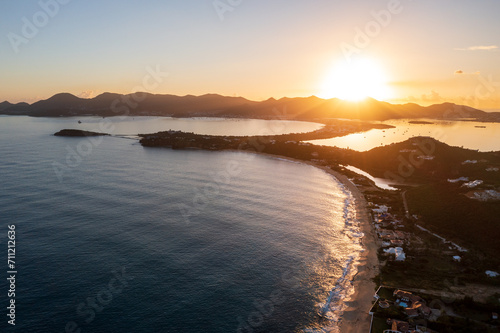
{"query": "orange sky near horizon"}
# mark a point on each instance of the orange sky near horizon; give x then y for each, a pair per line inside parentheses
(399, 51)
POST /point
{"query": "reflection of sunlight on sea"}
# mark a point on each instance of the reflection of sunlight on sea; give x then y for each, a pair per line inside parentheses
(208, 126)
(332, 307)
(471, 135)
(119, 207)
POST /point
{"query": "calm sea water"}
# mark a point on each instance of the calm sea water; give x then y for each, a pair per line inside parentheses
(113, 237)
(209, 126)
(466, 134)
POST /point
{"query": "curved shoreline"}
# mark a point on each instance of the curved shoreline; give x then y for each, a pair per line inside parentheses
(355, 317)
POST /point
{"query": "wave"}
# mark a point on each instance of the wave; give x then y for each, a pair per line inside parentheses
(333, 308)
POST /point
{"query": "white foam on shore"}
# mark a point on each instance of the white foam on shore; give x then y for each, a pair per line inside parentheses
(334, 306)
(336, 303)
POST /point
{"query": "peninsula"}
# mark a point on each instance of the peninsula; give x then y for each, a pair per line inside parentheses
(423, 233)
(417, 237)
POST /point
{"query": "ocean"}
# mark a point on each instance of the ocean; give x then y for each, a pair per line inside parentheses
(114, 237)
(466, 134)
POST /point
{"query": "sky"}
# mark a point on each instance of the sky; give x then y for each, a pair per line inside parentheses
(399, 51)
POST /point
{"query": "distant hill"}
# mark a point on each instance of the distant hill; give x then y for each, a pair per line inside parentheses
(5, 105)
(13, 109)
(213, 105)
(444, 206)
(424, 159)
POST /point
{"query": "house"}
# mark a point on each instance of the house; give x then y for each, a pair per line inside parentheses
(398, 253)
(473, 183)
(414, 305)
(411, 312)
(397, 242)
(407, 296)
(381, 209)
(385, 224)
(491, 273)
(397, 326)
(385, 234)
(399, 234)
(422, 309)
(423, 329)
(461, 179)
(385, 217)
(402, 295)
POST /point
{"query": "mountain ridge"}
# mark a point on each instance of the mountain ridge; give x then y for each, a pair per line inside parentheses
(215, 105)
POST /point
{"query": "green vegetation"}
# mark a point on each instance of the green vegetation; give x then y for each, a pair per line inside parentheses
(76, 132)
(444, 209)
(455, 315)
(379, 324)
(425, 160)
(441, 207)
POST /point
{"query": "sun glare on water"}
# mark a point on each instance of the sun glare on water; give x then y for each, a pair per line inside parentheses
(356, 80)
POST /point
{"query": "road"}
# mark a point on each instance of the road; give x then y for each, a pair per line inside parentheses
(407, 212)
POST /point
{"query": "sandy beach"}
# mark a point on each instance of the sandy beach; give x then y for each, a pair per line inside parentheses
(355, 318)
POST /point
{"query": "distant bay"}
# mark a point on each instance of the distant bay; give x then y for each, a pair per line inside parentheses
(467, 134)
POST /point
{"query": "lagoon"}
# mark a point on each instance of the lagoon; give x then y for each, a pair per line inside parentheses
(466, 134)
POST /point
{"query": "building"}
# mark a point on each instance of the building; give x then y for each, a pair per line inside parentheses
(398, 253)
(414, 305)
(397, 326)
(407, 296)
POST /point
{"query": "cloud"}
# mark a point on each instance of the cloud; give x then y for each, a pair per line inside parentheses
(432, 97)
(461, 72)
(479, 48)
(86, 94)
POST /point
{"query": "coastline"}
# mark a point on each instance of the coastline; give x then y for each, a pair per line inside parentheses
(355, 317)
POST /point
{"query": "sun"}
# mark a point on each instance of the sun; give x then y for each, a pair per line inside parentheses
(356, 80)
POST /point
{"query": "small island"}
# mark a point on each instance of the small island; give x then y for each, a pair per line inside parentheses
(420, 122)
(77, 133)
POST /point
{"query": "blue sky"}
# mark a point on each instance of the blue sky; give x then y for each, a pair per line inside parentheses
(260, 49)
